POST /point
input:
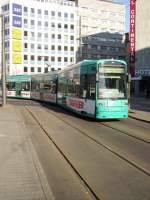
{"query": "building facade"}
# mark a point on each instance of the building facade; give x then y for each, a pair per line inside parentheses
(51, 34)
(101, 29)
(142, 56)
(39, 34)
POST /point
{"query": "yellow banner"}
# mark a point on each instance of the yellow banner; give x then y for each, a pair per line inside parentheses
(17, 33)
(17, 46)
(17, 58)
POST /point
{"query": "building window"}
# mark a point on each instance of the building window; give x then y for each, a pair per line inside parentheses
(65, 26)
(71, 48)
(59, 48)
(39, 58)
(66, 38)
(46, 58)
(32, 22)
(72, 27)
(46, 24)
(25, 33)
(39, 46)
(53, 25)
(59, 36)
(25, 45)
(72, 16)
(53, 36)
(46, 35)
(65, 48)
(59, 14)
(25, 57)
(59, 59)
(59, 25)
(25, 69)
(6, 19)
(39, 11)
(25, 9)
(32, 46)
(72, 59)
(46, 47)
(52, 13)
(45, 12)
(32, 10)
(39, 35)
(25, 21)
(103, 47)
(6, 32)
(71, 37)
(32, 57)
(39, 69)
(5, 7)
(32, 34)
(32, 69)
(52, 58)
(46, 70)
(6, 44)
(39, 23)
(65, 59)
(52, 47)
(94, 47)
(66, 15)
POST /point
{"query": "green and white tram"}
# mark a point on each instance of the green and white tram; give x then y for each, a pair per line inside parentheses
(44, 87)
(95, 88)
(18, 86)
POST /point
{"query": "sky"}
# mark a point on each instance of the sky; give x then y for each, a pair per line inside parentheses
(127, 3)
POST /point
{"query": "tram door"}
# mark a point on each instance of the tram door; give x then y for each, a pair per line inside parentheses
(18, 89)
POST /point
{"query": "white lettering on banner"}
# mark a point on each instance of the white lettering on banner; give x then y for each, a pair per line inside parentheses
(132, 36)
(144, 72)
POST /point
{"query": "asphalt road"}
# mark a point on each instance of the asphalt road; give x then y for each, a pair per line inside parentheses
(88, 159)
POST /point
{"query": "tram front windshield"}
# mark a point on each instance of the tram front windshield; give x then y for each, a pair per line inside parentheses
(112, 85)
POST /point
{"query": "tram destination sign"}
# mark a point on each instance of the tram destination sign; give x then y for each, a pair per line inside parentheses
(118, 70)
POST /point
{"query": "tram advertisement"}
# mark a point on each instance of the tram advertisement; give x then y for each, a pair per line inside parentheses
(87, 106)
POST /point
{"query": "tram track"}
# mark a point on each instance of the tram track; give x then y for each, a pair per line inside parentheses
(109, 126)
(124, 132)
(89, 188)
(108, 147)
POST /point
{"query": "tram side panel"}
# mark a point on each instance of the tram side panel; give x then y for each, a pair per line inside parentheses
(43, 88)
(77, 94)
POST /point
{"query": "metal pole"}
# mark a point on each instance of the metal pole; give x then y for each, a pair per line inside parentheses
(3, 64)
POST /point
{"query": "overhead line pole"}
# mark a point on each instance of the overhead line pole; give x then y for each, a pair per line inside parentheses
(3, 64)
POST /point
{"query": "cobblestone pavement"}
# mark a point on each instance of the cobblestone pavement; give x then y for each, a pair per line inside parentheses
(20, 179)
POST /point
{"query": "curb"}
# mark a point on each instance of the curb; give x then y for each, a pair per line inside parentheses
(143, 120)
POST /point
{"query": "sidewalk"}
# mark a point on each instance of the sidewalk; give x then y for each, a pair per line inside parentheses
(140, 109)
(21, 175)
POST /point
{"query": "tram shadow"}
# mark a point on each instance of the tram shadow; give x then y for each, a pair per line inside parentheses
(69, 113)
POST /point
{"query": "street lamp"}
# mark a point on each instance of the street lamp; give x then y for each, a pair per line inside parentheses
(3, 64)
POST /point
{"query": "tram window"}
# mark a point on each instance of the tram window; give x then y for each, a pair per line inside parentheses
(62, 87)
(11, 86)
(83, 86)
(76, 82)
(53, 88)
(33, 85)
(87, 86)
(25, 86)
(91, 85)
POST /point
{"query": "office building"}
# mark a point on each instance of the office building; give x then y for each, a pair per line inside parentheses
(101, 29)
(39, 35)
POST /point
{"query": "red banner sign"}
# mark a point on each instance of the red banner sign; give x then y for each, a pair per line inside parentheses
(132, 35)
